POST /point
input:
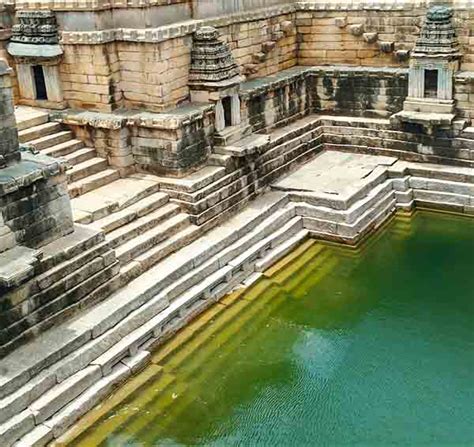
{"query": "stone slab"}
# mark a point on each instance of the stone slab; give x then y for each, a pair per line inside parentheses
(334, 173)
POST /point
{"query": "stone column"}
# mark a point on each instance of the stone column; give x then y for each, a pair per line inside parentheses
(9, 147)
(445, 84)
(220, 116)
(235, 108)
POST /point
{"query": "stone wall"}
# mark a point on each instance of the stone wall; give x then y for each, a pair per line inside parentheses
(359, 91)
(276, 100)
(174, 144)
(464, 94)
(139, 57)
(90, 77)
(378, 35)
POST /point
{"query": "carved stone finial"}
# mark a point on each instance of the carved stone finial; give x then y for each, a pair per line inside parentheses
(35, 35)
(35, 27)
(438, 36)
(211, 59)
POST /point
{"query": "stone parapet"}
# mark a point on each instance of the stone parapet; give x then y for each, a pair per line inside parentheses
(172, 143)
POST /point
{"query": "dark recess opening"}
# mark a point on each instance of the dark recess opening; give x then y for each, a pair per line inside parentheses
(431, 83)
(40, 84)
(226, 103)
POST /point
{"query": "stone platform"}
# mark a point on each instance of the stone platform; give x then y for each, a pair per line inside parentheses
(335, 174)
(49, 383)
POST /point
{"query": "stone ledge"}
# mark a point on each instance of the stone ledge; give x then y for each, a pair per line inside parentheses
(30, 169)
(17, 265)
(166, 32)
(179, 118)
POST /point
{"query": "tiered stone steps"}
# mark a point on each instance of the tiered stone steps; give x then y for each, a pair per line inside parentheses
(213, 192)
(139, 221)
(88, 171)
(154, 305)
(69, 269)
(376, 136)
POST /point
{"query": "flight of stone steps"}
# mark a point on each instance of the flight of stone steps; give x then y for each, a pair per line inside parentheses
(48, 384)
(139, 221)
(88, 171)
(228, 183)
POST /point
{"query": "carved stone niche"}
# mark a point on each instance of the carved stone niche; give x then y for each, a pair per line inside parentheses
(35, 47)
(214, 78)
(433, 65)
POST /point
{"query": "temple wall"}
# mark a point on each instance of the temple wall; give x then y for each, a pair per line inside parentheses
(356, 91)
(371, 37)
(464, 94)
(39, 212)
(90, 76)
(138, 57)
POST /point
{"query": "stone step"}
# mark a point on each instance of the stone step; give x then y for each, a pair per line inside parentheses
(27, 117)
(352, 233)
(62, 149)
(36, 132)
(113, 197)
(225, 161)
(194, 181)
(74, 300)
(86, 169)
(109, 321)
(281, 250)
(56, 398)
(146, 240)
(80, 155)
(51, 140)
(435, 185)
(142, 224)
(433, 172)
(56, 282)
(93, 182)
(124, 216)
(338, 202)
(172, 244)
(350, 215)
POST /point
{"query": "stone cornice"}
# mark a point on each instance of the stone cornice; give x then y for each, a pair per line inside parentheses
(181, 29)
(321, 5)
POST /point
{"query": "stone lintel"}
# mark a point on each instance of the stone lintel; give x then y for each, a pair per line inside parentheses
(17, 49)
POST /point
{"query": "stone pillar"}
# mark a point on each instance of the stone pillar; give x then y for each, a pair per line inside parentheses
(220, 116)
(9, 147)
(235, 108)
(445, 84)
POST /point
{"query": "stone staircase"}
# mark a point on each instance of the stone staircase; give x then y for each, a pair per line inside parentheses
(230, 181)
(87, 172)
(137, 219)
(47, 385)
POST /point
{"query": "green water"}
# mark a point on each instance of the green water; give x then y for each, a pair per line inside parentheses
(369, 347)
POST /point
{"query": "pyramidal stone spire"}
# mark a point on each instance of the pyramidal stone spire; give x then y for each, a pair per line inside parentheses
(211, 59)
(438, 36)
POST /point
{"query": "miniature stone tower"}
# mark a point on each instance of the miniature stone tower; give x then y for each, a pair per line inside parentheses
(433, 64)
(35, 46)
(214, 77)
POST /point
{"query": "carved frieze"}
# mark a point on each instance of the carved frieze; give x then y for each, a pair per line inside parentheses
(35, 35)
